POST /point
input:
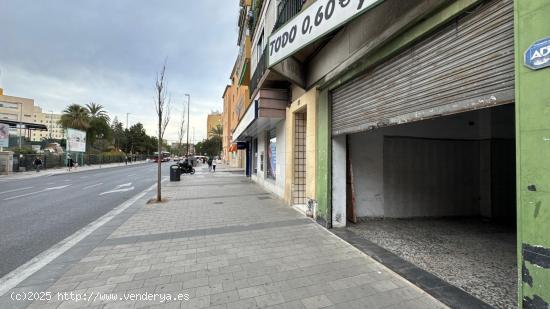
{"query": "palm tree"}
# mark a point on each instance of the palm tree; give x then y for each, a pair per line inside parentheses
(217, 131)
(99, 128)
(97, 111)
(75, 117)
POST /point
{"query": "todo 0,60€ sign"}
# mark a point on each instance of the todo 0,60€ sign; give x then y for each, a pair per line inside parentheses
(312, 23)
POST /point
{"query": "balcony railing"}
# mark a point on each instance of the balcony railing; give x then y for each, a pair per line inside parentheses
(259, 72)
(286, 10)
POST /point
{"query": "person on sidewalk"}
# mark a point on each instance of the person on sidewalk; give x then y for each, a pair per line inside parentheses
(70, 162)
(209, 164)
(214, 165)
(37, 164)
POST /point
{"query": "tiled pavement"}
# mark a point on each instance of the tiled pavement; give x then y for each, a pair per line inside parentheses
(221, 242)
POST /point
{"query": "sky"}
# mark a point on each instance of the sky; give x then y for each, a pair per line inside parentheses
(60, 52)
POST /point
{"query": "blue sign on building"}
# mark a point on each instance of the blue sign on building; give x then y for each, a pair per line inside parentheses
(537, 56)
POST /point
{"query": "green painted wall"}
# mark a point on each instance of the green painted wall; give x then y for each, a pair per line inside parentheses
(532, 23)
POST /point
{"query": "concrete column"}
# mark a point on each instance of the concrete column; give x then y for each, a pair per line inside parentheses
(339, 181)
(485, 128)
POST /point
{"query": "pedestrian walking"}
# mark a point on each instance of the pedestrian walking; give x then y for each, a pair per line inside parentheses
(70, 163)
(126, 160)
(38, 164)
(214, 165)
(209, 164)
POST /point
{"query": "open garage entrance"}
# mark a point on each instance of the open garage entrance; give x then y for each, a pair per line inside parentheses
(439, 193)
(423, 157)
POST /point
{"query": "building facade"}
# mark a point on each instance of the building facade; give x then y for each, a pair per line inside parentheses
(213, 120)
(236, 96)
(22, 109)
(404, 110)
(262, 128)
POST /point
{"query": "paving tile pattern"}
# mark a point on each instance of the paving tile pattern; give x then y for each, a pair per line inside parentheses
(478, 257)
(289, 266)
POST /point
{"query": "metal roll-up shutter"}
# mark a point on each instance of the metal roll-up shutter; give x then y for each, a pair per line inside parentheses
(465, 65)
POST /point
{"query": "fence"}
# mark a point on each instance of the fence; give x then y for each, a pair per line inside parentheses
(25, 162)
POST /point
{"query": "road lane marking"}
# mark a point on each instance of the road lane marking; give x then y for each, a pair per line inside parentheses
(36, 192)
(26, 270)
(15, 190)
(92, 186)
(130, 175)
(120, 188)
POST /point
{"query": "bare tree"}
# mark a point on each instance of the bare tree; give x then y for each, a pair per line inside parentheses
(162, 107)
(181, 132)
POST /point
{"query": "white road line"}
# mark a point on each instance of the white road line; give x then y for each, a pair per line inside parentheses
(117, 190)
(15, 190)
(36, 192)
(92, 186)
(120, 188)
(129, 175)
(24, 271)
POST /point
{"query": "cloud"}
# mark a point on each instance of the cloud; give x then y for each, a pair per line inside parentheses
(61, 51)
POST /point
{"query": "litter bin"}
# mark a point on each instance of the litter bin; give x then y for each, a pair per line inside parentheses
(175, 173)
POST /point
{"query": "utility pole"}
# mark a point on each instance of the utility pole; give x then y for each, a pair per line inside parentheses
(188, 107)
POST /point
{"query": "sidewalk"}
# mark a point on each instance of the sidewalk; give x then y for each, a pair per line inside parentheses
(62, 170)
(219, 242)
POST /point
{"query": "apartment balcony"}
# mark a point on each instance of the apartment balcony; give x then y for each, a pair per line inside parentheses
(242, 65)
(259, 72)
(286, 10)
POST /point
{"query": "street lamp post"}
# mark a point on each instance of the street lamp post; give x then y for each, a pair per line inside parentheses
(20, 122)
(131, 141)
(188, 106)
(51, 125)
(127, 120)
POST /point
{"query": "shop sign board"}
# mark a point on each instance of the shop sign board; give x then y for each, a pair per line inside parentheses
(247, 119)
(314, 22)
(4, 135)
(76, 140)
(537, 56)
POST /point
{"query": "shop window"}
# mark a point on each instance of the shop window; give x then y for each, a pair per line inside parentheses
(271, 154)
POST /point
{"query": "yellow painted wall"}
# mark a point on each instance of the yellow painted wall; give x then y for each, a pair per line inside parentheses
(301, 101)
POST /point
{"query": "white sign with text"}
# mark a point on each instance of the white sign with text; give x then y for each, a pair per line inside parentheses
(76, 140)
(315, 21)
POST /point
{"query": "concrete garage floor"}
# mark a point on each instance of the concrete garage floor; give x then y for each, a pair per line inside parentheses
(478, 257)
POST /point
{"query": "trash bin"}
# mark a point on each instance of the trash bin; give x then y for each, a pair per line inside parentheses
(175, 173)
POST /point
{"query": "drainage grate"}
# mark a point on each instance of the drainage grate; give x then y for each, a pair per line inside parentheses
(218, 203)
(264, 197)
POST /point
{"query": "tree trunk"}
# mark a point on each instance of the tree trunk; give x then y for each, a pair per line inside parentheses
(159, 161)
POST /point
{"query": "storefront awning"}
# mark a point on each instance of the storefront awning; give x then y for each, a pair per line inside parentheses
(25, 125)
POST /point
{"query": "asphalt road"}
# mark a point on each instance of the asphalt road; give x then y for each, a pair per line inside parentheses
(37, 213)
